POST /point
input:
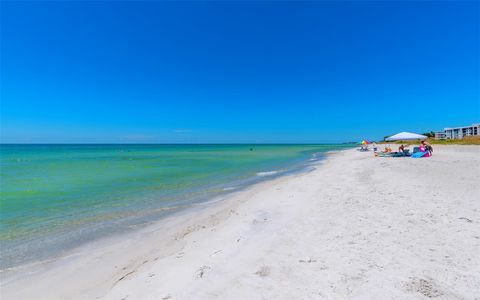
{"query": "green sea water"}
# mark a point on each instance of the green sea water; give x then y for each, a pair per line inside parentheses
(55, 197)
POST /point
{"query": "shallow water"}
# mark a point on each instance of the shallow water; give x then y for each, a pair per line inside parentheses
(55, 197)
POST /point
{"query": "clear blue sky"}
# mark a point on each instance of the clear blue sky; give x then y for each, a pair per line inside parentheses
(170, 72)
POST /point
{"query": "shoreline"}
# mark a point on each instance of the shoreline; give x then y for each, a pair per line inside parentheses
(159, 198)
(178, 218)
(345, 229)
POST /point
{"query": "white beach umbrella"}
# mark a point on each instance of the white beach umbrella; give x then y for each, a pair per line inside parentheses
(405, 136)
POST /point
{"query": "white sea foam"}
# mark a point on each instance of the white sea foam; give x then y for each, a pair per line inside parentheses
(267, 173)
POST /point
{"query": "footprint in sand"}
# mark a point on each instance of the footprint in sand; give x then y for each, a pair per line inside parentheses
(425, 287)
(308, 261)
(264, 271)
(202, 271)
(255, 221)
(216, 252)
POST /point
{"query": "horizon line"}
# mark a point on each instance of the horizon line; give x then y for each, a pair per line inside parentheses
(311, 143)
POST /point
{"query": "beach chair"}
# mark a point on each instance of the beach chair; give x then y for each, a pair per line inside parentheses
(363, 148)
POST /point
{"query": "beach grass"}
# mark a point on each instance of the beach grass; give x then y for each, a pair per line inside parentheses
(469, 140)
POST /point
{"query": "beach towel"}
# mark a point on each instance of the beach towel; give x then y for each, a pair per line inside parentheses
(420, 154)
(393, 154)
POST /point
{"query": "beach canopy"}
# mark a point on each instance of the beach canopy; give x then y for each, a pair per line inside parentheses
(405, 136)
(364, 142)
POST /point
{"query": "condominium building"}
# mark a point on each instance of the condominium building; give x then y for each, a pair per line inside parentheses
(440, 135)
(459, 132)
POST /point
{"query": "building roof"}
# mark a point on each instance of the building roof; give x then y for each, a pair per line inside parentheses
(460, 127)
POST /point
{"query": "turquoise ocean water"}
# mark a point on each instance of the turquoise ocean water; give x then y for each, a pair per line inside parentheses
(55, 197)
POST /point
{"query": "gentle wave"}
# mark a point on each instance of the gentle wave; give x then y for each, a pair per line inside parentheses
(267, 173)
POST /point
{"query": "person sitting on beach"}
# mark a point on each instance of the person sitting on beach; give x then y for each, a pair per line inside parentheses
(387, 149)
(401, 148)
(427, 147)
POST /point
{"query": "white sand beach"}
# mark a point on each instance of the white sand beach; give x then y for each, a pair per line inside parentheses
(356, 227)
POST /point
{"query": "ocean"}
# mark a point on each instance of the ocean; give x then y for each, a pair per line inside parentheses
(56, 197)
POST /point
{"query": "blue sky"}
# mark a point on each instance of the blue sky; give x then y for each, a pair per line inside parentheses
(193, 72)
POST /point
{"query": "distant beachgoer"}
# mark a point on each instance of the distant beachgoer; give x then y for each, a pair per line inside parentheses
(375, 147)
(401, 148)
(427, 147)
